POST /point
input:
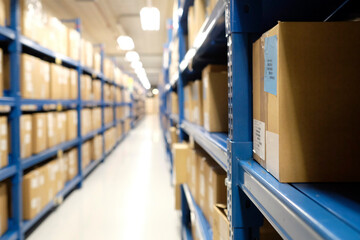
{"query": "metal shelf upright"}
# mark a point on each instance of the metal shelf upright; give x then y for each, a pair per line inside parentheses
(296, 211)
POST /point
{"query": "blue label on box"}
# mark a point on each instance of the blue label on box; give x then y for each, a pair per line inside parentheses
(270, 71)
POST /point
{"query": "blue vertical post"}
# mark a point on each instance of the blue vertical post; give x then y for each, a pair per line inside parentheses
(243, 18)
(14, 120)
(180, 82)
(102, 55)
(79, 108)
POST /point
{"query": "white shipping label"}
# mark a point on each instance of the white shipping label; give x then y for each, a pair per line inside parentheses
(3, 129)
(259, 138)
(27, 138)
(3, 145)
(272, 153)
(28, 126)
(202, 185)
(34, 183)
(34, 203)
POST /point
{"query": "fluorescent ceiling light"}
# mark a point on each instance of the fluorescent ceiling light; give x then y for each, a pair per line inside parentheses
(155, 91)
(136, 64)
(132, 56)
(125, 43)
(150, 19)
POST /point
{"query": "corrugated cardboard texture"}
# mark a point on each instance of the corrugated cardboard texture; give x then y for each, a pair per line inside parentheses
(215, 98)
(315, 111)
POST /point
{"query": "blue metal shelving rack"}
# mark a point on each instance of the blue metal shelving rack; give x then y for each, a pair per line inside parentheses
(15, 43)
(296, 211)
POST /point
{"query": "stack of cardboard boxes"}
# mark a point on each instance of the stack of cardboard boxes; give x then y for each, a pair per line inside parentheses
(41, 185)
(205, 101)
(40, 131)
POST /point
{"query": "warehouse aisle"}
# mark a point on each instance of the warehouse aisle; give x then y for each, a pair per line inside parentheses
(127, 197)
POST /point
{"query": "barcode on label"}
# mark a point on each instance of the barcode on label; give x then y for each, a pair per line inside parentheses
(259, 138)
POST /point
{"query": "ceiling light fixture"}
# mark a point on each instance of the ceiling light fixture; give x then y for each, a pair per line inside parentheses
(132, 56)
(150, 18)
(155, 91)
(136, 64)
(125, 43)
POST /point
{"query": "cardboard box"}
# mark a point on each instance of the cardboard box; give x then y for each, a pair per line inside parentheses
(73, 44)
(199, 14)
(188, 104)
(174, 103)
(96, 118)
(52, 138)
(181, 153)
(43, 79)
(216, 189)
(4, 206)
(201, 182)
(97, 62)
(65, 82)
(96, 147)
(52, 180)
(73, 84)
(86, 87)
(86, 121)
(55, 81)
(118, 95)
(197, 102)
(193, 172)
(27, 76)
(119, 130)
(307, 87)
(89, 53)
(215, 98)
(61, 123)
(25, 135)
(221, 225)
(127, 125)
(72, 157)
(39, 132)
(96, 89)
(33, 193)
(173, 135)
(86, 154)
(64, 168)
(177, 189)
(4, 160)
(1, 73)
(191, 27)
(71, 124)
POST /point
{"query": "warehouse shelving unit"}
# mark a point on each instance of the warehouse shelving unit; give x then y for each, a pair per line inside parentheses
(296, 211)
(16, 44)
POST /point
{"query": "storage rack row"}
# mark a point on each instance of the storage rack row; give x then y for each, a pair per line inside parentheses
(296, 211)
(14, 43)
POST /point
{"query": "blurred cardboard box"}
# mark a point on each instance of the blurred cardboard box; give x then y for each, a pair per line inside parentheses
(4, 206)
(4, 142)
(71, 124)
(39, 132)
(25, 136)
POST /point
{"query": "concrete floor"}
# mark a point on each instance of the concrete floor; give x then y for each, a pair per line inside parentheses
(129, 196)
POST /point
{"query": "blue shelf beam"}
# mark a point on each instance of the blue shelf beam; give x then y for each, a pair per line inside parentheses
(9, 235)
(47, 154)
(10, 101)
(91, 134)
(92, 166)
(7, 172)
(7, 34)
(215, 144)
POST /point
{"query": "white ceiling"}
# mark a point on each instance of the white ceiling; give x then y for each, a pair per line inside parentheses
(104, 20)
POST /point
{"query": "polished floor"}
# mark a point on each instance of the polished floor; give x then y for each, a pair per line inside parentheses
(129, 196)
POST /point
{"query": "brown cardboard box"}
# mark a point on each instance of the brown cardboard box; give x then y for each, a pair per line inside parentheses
(193, 170)
(197, 100)
(174, 103)
(4, 161)
(73, 84)
(86, 154)
(181, 153)
(61, 123)
(52, 138)
(96, 118)
(33, 189)
(97, 62)
(4, 206)
(86, 87)
(215, 96)
(118, 95)
(28, 79)
(216, 189)
(188, 104)
(199, 14)
(71, 128)
(221, 225)
(3, 16)
(89, 54)
(55, 81)
(43, 79)
(127, 125)
(39, 132)
(53, 175)
(25, 135)
(191, 27)
(65, 83)
(96, 147)
(72, 157)
(96, 89)
(310, 85)
(73, 44)
(201, 183)
(64, 168)
(119, 131)
(177, 189)
(173, 135)
(86, 121)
